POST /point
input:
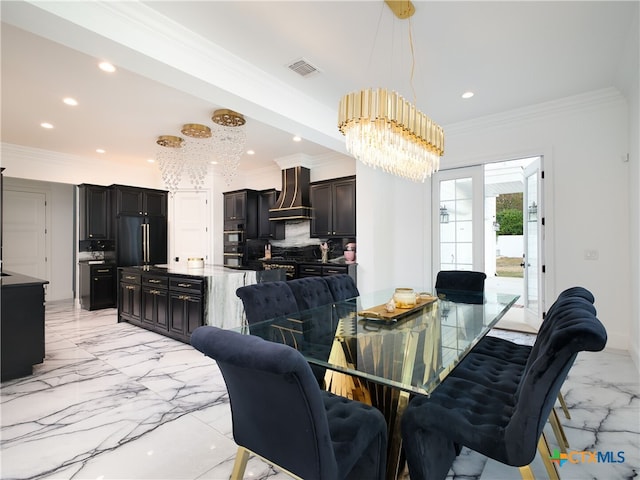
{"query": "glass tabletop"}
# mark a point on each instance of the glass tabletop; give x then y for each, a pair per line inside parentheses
(413, 352)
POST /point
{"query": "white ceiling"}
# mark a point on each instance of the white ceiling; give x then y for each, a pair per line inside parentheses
(178, 61)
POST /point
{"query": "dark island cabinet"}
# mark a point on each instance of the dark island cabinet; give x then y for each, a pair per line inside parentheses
(334, 208)
(94, 216)
(267, 229)
(129, 298)
(97, 286)
(172, 305)
(186, 306)
(21, 325)
(155, 302)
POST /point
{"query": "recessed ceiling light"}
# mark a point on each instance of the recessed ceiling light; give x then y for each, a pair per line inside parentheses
(213, 162)
(151, 160)
(46, 125)
(100, 150)
(106, 67)
(70, 101)
(466, 95)
(251, 152)
(296, 138)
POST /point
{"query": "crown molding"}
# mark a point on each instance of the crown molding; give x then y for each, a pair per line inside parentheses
(568, 105)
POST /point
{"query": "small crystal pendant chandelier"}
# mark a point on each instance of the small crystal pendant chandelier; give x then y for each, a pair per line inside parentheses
(229, 140)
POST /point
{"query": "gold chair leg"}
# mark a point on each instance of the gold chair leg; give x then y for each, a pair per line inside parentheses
(239, 466)
(545, 453)
(554, 414)
(564, 406)
(527, 473)
(558, 431)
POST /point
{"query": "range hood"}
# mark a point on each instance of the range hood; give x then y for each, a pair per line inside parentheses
(293, 202)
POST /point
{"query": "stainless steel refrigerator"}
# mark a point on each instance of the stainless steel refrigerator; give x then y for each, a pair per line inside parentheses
(141, 240)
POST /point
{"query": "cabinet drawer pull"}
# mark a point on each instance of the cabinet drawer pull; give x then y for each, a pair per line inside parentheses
(155, 292)
(184, 297)
(155, 281)
(184, 285)
(130, 287)
(103, 270)
(333, 271)
(129, 277)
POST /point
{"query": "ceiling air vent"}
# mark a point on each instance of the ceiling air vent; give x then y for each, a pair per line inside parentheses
(303, 68)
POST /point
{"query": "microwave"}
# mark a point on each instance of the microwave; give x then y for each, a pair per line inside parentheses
(233, 237)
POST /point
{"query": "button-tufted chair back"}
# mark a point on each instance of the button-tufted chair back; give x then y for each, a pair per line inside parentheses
(279, 412)
(461, 286)
(311, 292)
(342, 287)
(263, 301)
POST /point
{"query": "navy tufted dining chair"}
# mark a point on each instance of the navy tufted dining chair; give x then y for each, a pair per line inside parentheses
(460, 286)
(263, 301)
(505, 426)
(342, 287)
(517, 354)
(280, 414)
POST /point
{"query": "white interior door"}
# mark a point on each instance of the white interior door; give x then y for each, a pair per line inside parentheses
(458, 227)
(191, 226)
(24, 233)
(533, 241)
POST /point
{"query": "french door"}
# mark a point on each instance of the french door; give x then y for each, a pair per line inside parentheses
(533, 232)
(457, 231)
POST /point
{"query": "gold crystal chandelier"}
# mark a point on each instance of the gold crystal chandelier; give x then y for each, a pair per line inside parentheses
(383, 130)
(192, 155)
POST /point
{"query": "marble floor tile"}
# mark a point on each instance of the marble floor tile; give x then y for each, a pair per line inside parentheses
(113, 401)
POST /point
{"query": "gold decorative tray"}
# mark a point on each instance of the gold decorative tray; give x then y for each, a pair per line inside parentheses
(379, 312)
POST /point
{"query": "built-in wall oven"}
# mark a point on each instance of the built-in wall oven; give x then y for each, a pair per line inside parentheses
(234, 255)
(234, 244)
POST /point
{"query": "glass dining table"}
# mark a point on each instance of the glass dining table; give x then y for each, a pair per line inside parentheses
(361, 351)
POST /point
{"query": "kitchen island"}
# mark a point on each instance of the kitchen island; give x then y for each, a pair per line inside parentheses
(174, 301)
(22, 324)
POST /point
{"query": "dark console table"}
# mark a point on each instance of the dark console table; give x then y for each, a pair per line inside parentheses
(22, 324)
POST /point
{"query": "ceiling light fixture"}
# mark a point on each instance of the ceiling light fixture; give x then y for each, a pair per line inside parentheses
(70, 101)
(198, 152)
(383, 130)
(46, 125)
(228, 139)
(170, 160)
(467, 95)
(297, 138)
(106, 67)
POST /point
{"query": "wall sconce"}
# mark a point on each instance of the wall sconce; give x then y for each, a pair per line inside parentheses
(533, 212)
(444, 214)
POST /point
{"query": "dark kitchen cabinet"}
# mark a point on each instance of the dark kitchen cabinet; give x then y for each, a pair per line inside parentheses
(324, 269)
(139, 201)
(95, 212)
(267, 229)
(21, 325)
(97, 286)
(155, 303)
(169, 304)
(129, 298)
(241, 211)
(186, 307)
(334, 208)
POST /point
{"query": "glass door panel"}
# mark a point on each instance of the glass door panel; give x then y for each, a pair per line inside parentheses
(457, 217)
